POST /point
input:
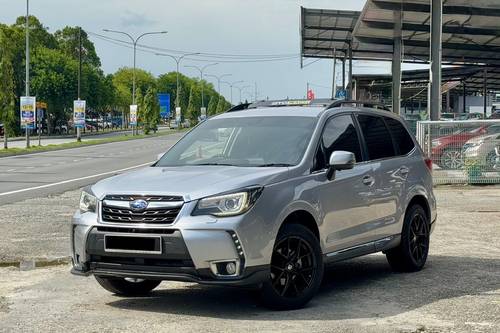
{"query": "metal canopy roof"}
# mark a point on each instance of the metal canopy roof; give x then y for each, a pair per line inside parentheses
(471, 31)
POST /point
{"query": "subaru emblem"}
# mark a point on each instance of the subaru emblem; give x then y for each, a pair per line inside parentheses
(138, 204)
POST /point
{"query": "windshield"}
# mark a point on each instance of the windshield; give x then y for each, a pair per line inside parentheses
(252, 141)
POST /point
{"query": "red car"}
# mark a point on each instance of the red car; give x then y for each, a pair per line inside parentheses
(447, 150)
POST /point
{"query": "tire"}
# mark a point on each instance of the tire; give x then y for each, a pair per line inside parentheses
(451, 159)
(122, 287)
(491, 160)
(296, 269)
(412, 252)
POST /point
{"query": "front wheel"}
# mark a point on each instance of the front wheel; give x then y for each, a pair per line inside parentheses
(127, 286)
(452, 159)
(411, 254)
(296, 269)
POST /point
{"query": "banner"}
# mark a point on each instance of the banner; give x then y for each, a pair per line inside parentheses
(28, 107)
(133, 115)
(164, 101)
(203, 114)
(79, 113)
(178, 115)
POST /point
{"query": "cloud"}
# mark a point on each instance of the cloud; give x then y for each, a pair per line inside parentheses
(135, 19)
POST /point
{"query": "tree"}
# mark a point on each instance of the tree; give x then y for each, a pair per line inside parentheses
(68, 41)
(7, 94)
(193, 109)
(122, 81)
(212, 106)
(139, 101)
(220, 105)
(151, 111)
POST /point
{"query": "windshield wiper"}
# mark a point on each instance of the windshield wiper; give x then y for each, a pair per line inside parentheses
(213, 163)
(274, 165)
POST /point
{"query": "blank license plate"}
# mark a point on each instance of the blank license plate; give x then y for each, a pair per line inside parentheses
(132, 244)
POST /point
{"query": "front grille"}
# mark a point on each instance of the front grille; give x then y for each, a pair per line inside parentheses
(160, 215)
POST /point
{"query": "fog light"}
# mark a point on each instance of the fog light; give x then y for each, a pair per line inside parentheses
(231, 268)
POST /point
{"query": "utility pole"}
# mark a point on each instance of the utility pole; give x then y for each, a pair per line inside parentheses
(78, 129)
(134, 42)
(27, 66)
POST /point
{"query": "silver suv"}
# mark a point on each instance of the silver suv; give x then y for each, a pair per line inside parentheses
(264, 197)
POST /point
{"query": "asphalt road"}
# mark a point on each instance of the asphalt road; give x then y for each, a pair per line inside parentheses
(40, 174)
(457, 291)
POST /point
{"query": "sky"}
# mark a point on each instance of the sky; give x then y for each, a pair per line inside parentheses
(239, 27)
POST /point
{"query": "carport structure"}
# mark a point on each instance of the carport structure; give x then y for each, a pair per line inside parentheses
(455, 32)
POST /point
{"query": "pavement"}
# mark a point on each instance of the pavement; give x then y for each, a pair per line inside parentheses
(457, 291)
(45, 173)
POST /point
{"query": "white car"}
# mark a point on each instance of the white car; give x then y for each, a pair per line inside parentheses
(482, 149)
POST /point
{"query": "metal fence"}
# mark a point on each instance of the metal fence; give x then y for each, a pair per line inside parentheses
(463, 151)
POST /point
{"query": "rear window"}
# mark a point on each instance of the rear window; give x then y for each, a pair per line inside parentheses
(377, 137)
(402, 138)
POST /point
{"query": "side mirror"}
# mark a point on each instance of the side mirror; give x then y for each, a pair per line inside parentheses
(340, 160)
(159, 156)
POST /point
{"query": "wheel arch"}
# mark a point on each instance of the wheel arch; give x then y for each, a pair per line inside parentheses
(304, 218)
(422, 201)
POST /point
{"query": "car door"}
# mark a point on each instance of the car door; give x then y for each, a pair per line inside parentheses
(344, 200)
(387, 176)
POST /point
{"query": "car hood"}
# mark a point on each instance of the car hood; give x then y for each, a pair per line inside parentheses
(482, 138)
(191, 182)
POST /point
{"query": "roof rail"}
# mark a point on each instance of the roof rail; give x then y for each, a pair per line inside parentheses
(366, 104)
(239, 107)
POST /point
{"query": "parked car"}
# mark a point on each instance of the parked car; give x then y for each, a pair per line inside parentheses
(265, 196)
(447, 150)
(482, 149)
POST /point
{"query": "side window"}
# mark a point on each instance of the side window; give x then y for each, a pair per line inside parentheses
(339, 134)
(377, 137)
(401, 137)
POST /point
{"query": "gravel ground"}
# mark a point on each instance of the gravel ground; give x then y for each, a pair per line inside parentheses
(458, 291)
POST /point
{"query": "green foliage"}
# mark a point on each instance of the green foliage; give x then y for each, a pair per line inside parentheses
(68, 42)
(123, 81)
(220, 105)
(7, 92)
(212, 106)
(151, 111)
(193, 109)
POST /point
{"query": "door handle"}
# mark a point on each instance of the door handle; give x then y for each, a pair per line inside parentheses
(404, 170)
(368, 180)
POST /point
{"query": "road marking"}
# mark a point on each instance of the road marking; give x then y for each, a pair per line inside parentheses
(74, 179)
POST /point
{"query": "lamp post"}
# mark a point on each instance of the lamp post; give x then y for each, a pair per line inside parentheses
(231, 84)
(134, 42)
(201, 70)
(241, 89)
(219, 78)
(27, 87)
(177, 62)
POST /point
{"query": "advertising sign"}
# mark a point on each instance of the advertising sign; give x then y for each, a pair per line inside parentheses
(310, 94)
(79, 113)
(28, 107)
(340, 94)
(178, 115)
(164, 101)
(133, 115)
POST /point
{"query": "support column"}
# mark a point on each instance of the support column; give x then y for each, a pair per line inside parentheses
(343, 72)
(434, 99)
(349, 95)
(396, 62)
(464, 97)
(485, 91)
(334, 84)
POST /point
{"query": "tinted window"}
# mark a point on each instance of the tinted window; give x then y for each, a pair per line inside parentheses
(339, 134)
(377, 137)
(402, 139)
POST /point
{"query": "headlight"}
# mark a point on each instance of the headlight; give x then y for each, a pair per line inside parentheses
(228, 204)
(88, 202)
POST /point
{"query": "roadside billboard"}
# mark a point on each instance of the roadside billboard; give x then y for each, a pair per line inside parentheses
(164, 101)
(203, 114)
(133, 115)
(28, 107)
(79, 113)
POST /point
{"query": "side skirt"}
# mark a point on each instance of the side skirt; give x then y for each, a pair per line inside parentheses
(383, 244)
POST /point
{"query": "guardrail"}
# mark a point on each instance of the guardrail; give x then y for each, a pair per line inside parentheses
(463, 151)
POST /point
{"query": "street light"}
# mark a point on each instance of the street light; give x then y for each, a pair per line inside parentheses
(219, 78)
(177, 61)
(134, 42)
(201, 70)
(241, 89)
(231, 86)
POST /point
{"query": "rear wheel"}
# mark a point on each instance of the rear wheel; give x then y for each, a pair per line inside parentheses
(127, 286)
(411, 254)
(296, 269)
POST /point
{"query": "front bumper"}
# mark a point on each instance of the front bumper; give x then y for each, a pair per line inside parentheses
(188, 254)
